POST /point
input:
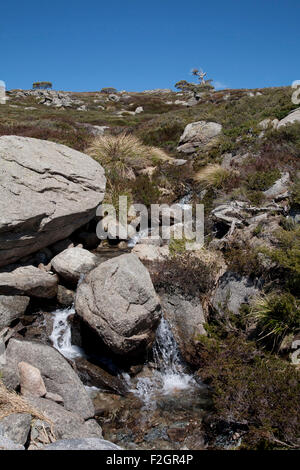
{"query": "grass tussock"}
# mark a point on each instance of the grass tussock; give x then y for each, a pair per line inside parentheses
(277, 315)
(213, 176)
(11, 402)
(125, 153)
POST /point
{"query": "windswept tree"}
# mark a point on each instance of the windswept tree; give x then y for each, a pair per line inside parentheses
(42, 85)
(204, 85)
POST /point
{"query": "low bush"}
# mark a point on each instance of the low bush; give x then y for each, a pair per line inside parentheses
(252, 391)
(185, 272)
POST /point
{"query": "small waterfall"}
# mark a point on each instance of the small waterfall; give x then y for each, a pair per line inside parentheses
(169, 376)
(61, 334)
(137, 237)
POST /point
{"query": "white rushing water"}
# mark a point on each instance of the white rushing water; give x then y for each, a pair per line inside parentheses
(169, 376)
(61, 336)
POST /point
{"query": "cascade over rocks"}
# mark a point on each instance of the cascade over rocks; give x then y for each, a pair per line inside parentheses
(47, 191)
(186, 319)
(118, 301)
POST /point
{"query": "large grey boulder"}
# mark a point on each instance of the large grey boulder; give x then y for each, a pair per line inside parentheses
(73, 262)
(28, 280)
(232, 292)
(186, 319)
(58, 375)
(47, 191)
(82, 444)
(118, 301)
(291, 118)
(16, 427)
(11, 308)
(199, 134)
(66, 424)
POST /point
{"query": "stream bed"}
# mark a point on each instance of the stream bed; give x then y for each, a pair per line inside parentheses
(165, 404)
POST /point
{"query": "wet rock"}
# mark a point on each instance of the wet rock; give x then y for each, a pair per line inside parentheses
(73, 262)
(28, 280)
(199, 134)
(89, 239)
(118, 301)
(186, 319)
(58, 375)
(83, 444)
(47, 192)
(65, 297)
(16, 427)
(31, 381)
(94, 375)
(11, 308)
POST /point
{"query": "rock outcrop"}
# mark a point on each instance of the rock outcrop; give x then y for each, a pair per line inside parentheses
(291, 118)
(199, 134)
(118, 301)
(47, 191)
(232, 292)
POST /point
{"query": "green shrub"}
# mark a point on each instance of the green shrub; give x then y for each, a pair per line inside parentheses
(145, 191)
(262, 180)
(252, 391)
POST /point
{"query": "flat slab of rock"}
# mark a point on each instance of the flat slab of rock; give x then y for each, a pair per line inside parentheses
(70, 264)
(16, 427)
(11, 308)
(118, 301)
(67, 425)
(198, 134)
(47, 191)
(8, 444)
(83, 444)
(291, 118)
(58, 375)
(28, 280)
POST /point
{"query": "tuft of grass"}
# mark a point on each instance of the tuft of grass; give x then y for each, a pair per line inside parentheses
(11, 402)
(124, 153)
(213, 176)
(277, 315)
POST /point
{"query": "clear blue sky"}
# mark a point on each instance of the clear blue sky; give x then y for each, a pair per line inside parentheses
(138, 44)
